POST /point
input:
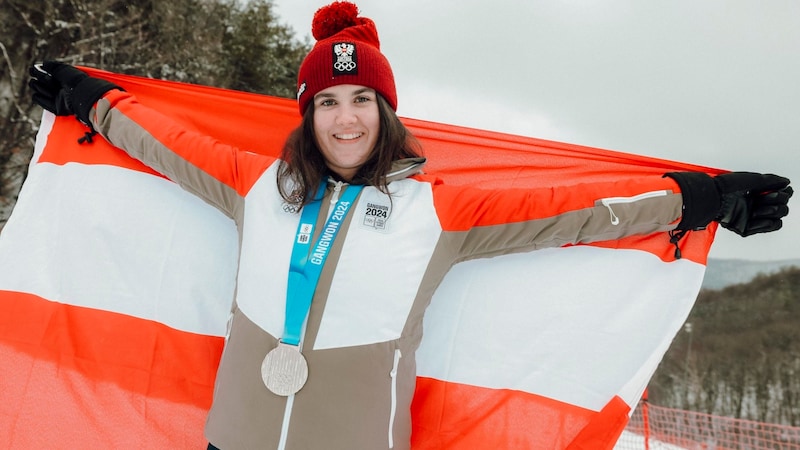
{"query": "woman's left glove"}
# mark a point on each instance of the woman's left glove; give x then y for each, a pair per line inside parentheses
(744, 202)
(64, 90)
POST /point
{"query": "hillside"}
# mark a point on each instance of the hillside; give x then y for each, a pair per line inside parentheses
(739, 354)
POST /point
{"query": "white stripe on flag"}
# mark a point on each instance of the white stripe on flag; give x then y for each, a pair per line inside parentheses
(119, 240)
(576, 324)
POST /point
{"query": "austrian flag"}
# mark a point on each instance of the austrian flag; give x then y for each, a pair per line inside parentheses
(116, 286)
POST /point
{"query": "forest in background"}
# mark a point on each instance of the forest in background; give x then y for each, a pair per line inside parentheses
(231, 44)
(738, 354)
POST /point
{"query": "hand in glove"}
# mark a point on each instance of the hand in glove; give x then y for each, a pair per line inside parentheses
(743, 202)
(64, 90)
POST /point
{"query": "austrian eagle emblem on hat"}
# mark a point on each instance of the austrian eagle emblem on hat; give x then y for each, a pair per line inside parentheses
(344, 59)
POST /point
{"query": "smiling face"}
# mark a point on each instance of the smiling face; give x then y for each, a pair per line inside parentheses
(346, 126)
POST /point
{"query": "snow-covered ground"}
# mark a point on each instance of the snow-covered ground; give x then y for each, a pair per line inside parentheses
(631, 441)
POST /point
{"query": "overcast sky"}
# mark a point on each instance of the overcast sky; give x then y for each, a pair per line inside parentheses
(711, 82)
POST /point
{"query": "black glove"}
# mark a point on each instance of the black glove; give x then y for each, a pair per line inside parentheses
(64, 90)
(744, 202)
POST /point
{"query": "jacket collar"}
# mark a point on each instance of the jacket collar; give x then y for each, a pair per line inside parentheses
(404, 168)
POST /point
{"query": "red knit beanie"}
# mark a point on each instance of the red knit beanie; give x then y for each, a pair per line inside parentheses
(347, 52)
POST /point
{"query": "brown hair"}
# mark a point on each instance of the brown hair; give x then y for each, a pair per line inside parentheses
(303, 167)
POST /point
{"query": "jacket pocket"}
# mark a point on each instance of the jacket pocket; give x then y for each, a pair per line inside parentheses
(610, 201)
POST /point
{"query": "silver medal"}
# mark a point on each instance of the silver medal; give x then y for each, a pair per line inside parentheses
(284, 370)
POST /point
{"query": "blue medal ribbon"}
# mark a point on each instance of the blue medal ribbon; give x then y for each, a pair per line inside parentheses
(307, 261)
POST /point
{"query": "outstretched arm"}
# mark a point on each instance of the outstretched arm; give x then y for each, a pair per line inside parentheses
(489, 222)
(215, 171)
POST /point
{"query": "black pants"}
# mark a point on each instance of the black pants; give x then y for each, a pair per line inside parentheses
(211, 446)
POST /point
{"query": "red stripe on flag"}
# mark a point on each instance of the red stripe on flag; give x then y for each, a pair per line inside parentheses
(457, 416)
(253, 122)
(48, 406)
(605, 428)
(67, 131)
(458, 155)
(694, 245)
(141, 356)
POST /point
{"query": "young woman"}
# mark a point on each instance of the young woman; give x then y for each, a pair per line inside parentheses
(344, 239)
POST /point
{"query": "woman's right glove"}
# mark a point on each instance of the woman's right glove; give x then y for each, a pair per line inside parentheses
(743, 202)
(64, 90)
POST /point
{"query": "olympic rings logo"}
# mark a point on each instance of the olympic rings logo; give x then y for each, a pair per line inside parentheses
(344, 66)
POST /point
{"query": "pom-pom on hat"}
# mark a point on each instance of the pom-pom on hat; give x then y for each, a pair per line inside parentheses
(347, 52)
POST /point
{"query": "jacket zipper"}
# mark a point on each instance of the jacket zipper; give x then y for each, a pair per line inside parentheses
(337, 189)
(393, 409)
(608, 202)
(287, 412)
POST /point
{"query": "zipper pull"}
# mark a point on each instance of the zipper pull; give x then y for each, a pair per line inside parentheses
(337, 189)
(614, 218)
(607, 202)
